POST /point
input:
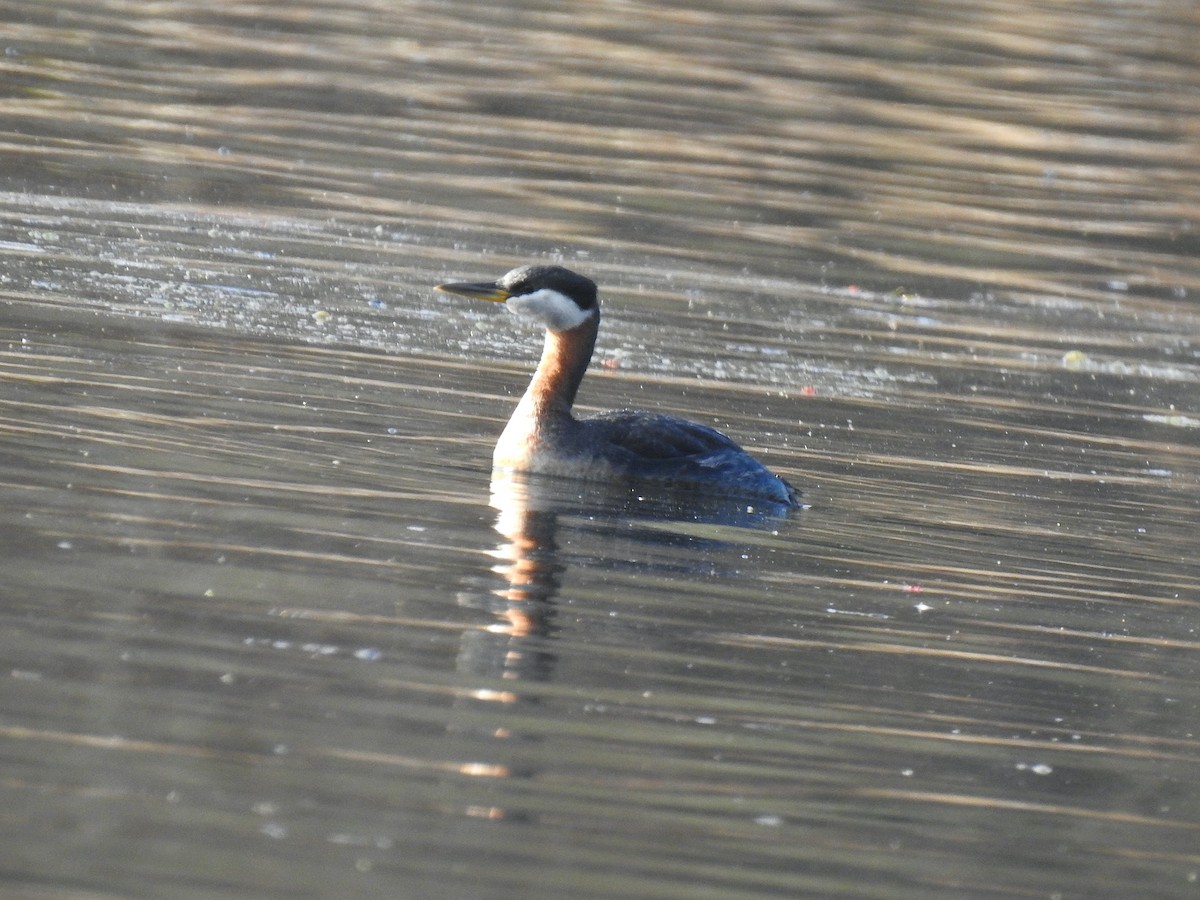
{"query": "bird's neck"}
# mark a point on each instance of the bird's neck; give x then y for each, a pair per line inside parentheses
(542, 427)
(565, 358)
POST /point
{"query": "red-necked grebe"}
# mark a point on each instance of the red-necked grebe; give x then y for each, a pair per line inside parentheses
(544, 437)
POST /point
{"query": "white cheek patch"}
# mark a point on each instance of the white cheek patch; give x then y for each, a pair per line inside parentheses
(548, 307)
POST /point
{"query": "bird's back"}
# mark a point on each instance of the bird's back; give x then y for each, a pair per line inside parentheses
(666, 448)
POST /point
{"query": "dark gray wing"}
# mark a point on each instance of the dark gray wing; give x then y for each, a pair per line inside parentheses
(650, 436)
(648, 445)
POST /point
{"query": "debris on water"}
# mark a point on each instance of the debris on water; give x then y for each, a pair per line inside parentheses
(1035, 768)
(1074, 360)
(853, 612)
(1177, 420)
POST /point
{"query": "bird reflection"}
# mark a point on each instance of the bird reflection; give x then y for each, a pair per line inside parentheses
(515, 646)
(506, 658)
(528, 513)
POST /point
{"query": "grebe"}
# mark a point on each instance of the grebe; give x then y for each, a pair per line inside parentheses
(544, 437)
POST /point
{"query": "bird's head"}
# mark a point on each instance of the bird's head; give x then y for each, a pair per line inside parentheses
(556, 298)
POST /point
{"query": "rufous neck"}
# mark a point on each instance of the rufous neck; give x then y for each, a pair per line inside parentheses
(565, 358)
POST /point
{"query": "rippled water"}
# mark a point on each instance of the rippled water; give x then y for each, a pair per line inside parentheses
(270, 631)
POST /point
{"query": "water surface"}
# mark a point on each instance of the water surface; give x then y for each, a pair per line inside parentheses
(270, 630)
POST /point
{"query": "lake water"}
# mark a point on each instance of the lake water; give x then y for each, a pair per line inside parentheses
(269, 628)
